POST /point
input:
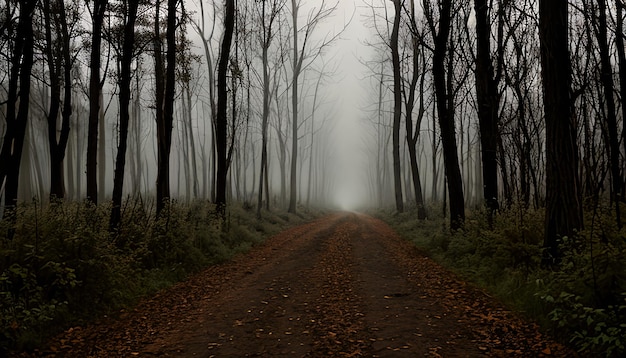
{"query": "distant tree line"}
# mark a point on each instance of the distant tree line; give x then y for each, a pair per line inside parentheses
(84, 82)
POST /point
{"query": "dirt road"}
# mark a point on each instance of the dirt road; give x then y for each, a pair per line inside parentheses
(345, 285)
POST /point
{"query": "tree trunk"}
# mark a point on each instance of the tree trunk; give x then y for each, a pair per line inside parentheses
(267, 38)
(397, 107)
(124, 100)
(221, 122)
(297, 65)
(446, 119)
(488, 103)
(55, 62)
(413, 135)
(563, 206)
(101, 150)
(165, 103)
(18, 103)
(95, 86)
(621, 56)
(606, 78)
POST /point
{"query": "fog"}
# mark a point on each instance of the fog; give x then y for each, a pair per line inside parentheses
(351, 92)
(348, 142)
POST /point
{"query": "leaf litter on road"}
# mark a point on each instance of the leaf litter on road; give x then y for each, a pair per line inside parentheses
(345, 285)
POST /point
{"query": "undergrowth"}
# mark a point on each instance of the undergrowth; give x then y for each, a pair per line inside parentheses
(63, 267)
(582, 302)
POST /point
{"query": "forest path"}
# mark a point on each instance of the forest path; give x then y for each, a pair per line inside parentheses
(344, 285)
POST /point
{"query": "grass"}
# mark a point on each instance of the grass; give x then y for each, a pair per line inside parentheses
(63, 267)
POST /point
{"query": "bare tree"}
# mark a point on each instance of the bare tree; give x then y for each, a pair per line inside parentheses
(165, 91)
(125, 62)
(488, 105)
(445, 109)
(606, 77)
(397, 105)
(412, 135)
(95, 98)
(206, 35)
(269, 17)
(303, 55)
(60, 62)
(17, 106)
(563, 207)
(221, 120)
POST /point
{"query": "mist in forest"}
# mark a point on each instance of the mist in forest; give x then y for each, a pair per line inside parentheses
(339, 112)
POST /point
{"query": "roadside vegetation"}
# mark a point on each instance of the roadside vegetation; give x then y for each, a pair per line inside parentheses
(581, 302)
(64, 268)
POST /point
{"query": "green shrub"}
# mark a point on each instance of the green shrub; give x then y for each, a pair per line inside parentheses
(582, 301)
(64, 267)
(592, 329)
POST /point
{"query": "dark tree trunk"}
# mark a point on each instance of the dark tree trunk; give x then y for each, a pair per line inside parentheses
(162, 182)
(411, 134)
(55, 61)
(267, 38)
(66, 113)
(397, 107)
(17, 107)
(294, 104)
(445, 113)
(611, 116)
(95, 86)
(563, 206)
(621, 56)
(488, 103)
(221, 124)
(165, 98)
(128, 47)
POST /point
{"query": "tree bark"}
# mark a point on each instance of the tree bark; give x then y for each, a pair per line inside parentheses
(397, 107)
(165, 100)
(488, 103)
(221, 122)
(297, 65)
(446, 119)
(266, 42)
(95, 86)
(128, 48)
(18, 103)
(621, 56)
(413, 135)
(563, 204)
(606, 77)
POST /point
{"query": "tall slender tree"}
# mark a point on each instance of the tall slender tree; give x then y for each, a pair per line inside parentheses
(309, 51)
(488, 105)
(606, 77)
(445, 110)
(412, 134)
(17, 105)
(57, 51)
(95, 98)
(130, 8)
(397, 106)
(221, 122)
(563, 204)
(165, 101)
(268, 16)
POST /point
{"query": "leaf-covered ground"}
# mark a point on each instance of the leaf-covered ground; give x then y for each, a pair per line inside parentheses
(345, 285)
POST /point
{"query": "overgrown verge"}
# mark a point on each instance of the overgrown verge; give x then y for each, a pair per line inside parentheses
(583, 302)
(64, 268)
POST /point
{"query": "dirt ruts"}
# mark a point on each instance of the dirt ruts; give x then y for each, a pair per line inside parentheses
(345, 285)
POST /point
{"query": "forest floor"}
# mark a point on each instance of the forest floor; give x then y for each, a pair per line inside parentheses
(344, 285)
